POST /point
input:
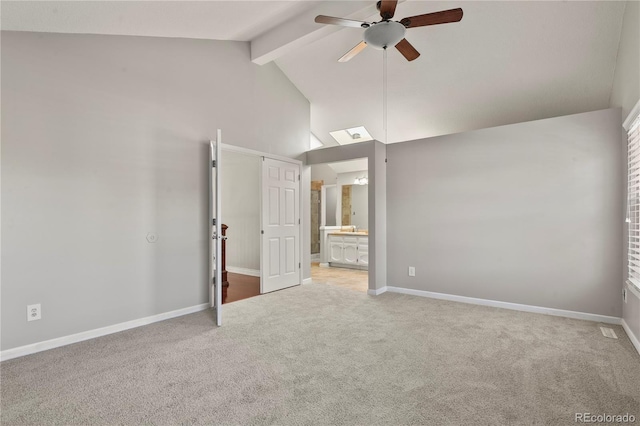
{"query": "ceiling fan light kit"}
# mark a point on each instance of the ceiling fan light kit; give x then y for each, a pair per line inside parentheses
(380, 35)
(386, 32)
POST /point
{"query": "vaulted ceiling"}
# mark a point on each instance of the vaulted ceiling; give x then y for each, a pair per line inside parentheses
(505, 62)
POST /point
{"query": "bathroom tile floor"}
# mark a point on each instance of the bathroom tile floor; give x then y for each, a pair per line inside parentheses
(353, 279)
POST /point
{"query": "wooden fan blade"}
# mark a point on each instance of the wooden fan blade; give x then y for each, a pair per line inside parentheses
(388, 8)
(407, 50)
(443, 17)
(353, 52)
(321, 19)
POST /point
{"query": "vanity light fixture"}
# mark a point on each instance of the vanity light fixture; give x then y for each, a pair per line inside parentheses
(361, 180)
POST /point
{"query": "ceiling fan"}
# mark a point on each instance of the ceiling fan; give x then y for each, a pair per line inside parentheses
(386, 32)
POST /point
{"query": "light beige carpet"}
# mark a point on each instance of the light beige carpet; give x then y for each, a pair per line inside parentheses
(320, 354)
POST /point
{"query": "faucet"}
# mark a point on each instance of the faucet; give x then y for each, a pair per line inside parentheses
(355, 228)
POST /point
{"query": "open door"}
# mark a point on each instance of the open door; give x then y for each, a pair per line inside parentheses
(280, 225)
(215, 229)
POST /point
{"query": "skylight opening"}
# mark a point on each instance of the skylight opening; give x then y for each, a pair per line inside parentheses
(352, 135)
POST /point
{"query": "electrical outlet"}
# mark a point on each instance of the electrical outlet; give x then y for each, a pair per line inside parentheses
(412, 271)
(624, 295)
(34, 312)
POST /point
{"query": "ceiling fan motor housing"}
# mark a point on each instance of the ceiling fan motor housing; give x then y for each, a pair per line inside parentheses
(384, 34)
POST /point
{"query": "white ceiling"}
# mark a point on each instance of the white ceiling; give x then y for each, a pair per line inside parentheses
(215, 20)
(505, 62)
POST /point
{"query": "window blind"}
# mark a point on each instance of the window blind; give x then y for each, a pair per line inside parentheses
(633, 202)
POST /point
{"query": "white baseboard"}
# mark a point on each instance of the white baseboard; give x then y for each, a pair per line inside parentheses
(244, 271)
(632, 337)
(377, 291)
(324, 265)
(98, 332)
(307, 281)
(507, 305)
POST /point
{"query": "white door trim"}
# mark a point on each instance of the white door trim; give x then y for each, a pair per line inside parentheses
(215, 230)
(242, 150)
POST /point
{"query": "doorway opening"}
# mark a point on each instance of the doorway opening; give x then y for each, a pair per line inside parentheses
(261, 222)
(241, 217)
(339, 224)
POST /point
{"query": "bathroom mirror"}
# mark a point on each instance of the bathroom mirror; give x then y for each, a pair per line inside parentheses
(329, 201)
(359, 202)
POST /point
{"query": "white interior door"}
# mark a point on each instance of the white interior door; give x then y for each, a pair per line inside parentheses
(215, 229)
(280, 225)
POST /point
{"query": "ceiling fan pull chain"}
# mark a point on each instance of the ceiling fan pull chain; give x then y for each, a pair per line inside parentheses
(384, 95)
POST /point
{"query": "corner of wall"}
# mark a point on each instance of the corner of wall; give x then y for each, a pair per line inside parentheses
(380, 155)
(625, 87)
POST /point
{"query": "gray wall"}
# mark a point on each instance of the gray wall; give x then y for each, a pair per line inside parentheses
(359, 206)
(104, 139)
(378, 216)
(241, 209)
(528, 213)
(323, 172)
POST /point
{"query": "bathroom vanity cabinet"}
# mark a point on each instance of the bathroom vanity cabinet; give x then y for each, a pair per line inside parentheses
(349, 250)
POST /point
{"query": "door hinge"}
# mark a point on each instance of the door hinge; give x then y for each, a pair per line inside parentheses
(298, 221)
(298, 177)
(214, 222)
(262, 231)
(299, 265)
(213, 163)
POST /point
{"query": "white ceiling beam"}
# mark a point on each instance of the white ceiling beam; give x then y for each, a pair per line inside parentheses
(303, 30)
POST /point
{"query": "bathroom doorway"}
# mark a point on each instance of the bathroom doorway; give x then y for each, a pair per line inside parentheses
(339, 224)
